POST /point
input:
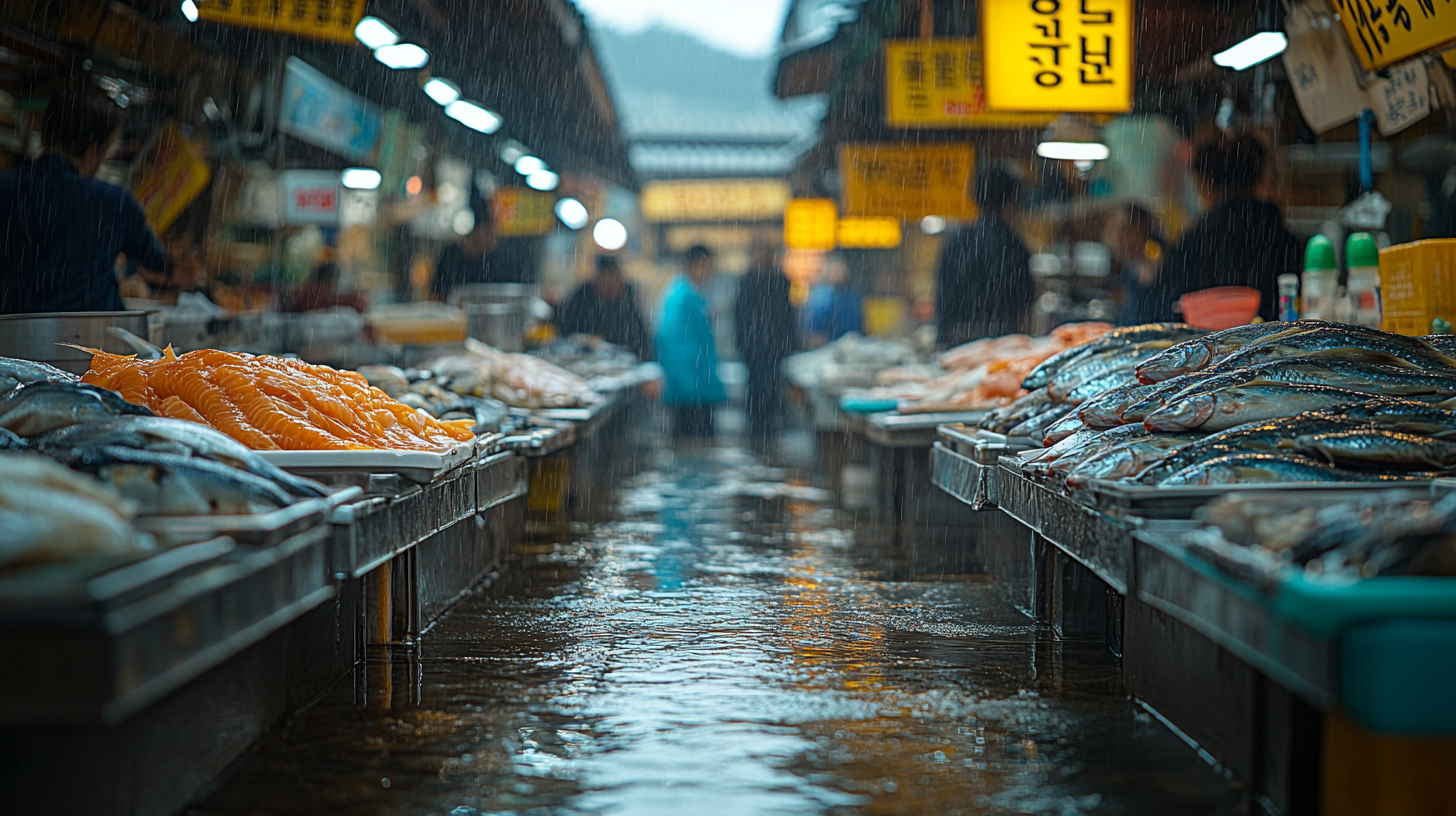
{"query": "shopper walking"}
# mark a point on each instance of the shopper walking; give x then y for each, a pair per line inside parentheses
(763, 330)
(686, 349)
(984, 281)
(834, 308)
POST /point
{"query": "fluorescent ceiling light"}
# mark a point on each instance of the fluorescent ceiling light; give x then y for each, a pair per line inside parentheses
(511, 151)
(473, 116)
(402, 56)
(610, 234)
(526, 165)
(360, 178)
(932, 225)
(189, 10)
(572, 213)
(375, 33)
(1073, 151)
(543, 180)
(1262, 46)
(443, 91)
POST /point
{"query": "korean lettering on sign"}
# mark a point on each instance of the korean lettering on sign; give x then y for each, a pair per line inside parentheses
(906, 182)
(1384, 32)
(714, 200)
(319, 19)
(939, 84)
(520, 211)
(1071, 56)
(1402, 98)
(310, 196)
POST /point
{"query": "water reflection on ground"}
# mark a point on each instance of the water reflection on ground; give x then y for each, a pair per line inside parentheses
(726, 646)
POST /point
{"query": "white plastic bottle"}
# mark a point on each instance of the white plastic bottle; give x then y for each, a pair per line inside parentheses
(1363, 284)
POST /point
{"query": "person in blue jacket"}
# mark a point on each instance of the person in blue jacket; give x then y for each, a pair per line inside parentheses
(686, 350)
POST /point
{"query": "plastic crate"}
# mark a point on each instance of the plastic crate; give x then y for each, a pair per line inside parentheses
(1418, 285)
(1399, 677)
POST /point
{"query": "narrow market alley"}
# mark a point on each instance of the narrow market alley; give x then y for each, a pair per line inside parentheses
(726, 645)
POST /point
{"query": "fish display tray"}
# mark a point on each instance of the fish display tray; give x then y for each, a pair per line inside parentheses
(1098, 541)
(418, 466)
(963, 477)
(1152, 502)
(260, 529)
(368, 532)
(911, 430)
(539, 442)
(79, 584)
(148, 633)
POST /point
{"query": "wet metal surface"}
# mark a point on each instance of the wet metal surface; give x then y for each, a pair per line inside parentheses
(727, 646)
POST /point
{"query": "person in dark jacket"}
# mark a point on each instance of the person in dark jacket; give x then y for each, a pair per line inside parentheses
(606, 306)
(984, 280)
(60, 229)
(763, 330)
(477, 258)
(1241, 241)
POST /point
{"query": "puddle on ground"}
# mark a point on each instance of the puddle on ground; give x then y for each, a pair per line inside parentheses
(727, 646)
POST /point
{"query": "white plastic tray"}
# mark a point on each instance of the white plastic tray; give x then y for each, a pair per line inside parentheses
(417, 466)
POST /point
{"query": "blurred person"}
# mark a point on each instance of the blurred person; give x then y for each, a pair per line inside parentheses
(1240, 241)
(763, 329)
(606, 306)
(834, 308)
(687, 351)
(322, 292)
(984, 286)
(1134, 238)
(61, 230)
(477, 258)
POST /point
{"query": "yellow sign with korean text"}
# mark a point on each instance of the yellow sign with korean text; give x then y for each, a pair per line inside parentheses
(169, 176)
(810, 223)
(1384, 32)
(1059, 56)
(714, 200)
(519, 211)
(317, 19)
(880, 232)
(938, 83)
(907, 181)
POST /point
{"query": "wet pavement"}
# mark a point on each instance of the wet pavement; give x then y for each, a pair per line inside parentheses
(727, 645)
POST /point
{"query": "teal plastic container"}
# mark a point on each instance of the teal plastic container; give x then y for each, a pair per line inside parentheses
(860, 405)
(1399, 677)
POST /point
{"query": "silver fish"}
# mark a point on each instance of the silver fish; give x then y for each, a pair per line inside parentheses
(176, 435)
(1249, 402)
(1255, 437)
(1377, 448)
(1105, 410)
(1201, 352)
(1062, 428)
(1245, 468)
(1072, 450)
(1115, 358)
(1128, 459)
(1346, 343)
(1125, 336)
(41, 407)
(168, 484)
(18, 372)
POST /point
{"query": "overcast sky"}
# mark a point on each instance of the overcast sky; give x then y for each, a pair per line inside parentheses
(749, 28)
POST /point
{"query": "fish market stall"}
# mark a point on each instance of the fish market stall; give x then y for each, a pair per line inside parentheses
(1222, 507)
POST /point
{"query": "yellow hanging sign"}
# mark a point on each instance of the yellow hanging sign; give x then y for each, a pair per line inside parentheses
(908, 182)
(318, 19)
(938, 83)
(1388, 31)
(519, 211)
(1059, 56)
(714, 200)
(809, 223)
(880, 232)
(169, 176)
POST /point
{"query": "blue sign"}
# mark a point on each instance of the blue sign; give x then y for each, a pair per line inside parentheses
(322, 112)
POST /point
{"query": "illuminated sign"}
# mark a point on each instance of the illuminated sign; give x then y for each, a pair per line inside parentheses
(714, 200)
(869, 233)
(1060, 56)
(908, 181)
(318, 19)
(521, 211)
(809, 223)
(310, 196)
(938, 83)
(1388, 31)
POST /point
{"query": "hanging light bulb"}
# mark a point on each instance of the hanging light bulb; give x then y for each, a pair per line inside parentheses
(374, 33)
(526, 165)
(543, 180)
(443, 91)
(572, 213)
(402, 56)
(473, 116)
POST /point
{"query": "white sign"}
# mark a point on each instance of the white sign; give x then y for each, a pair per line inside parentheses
(310, 196)
(1321, 70)
(1403, 99)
